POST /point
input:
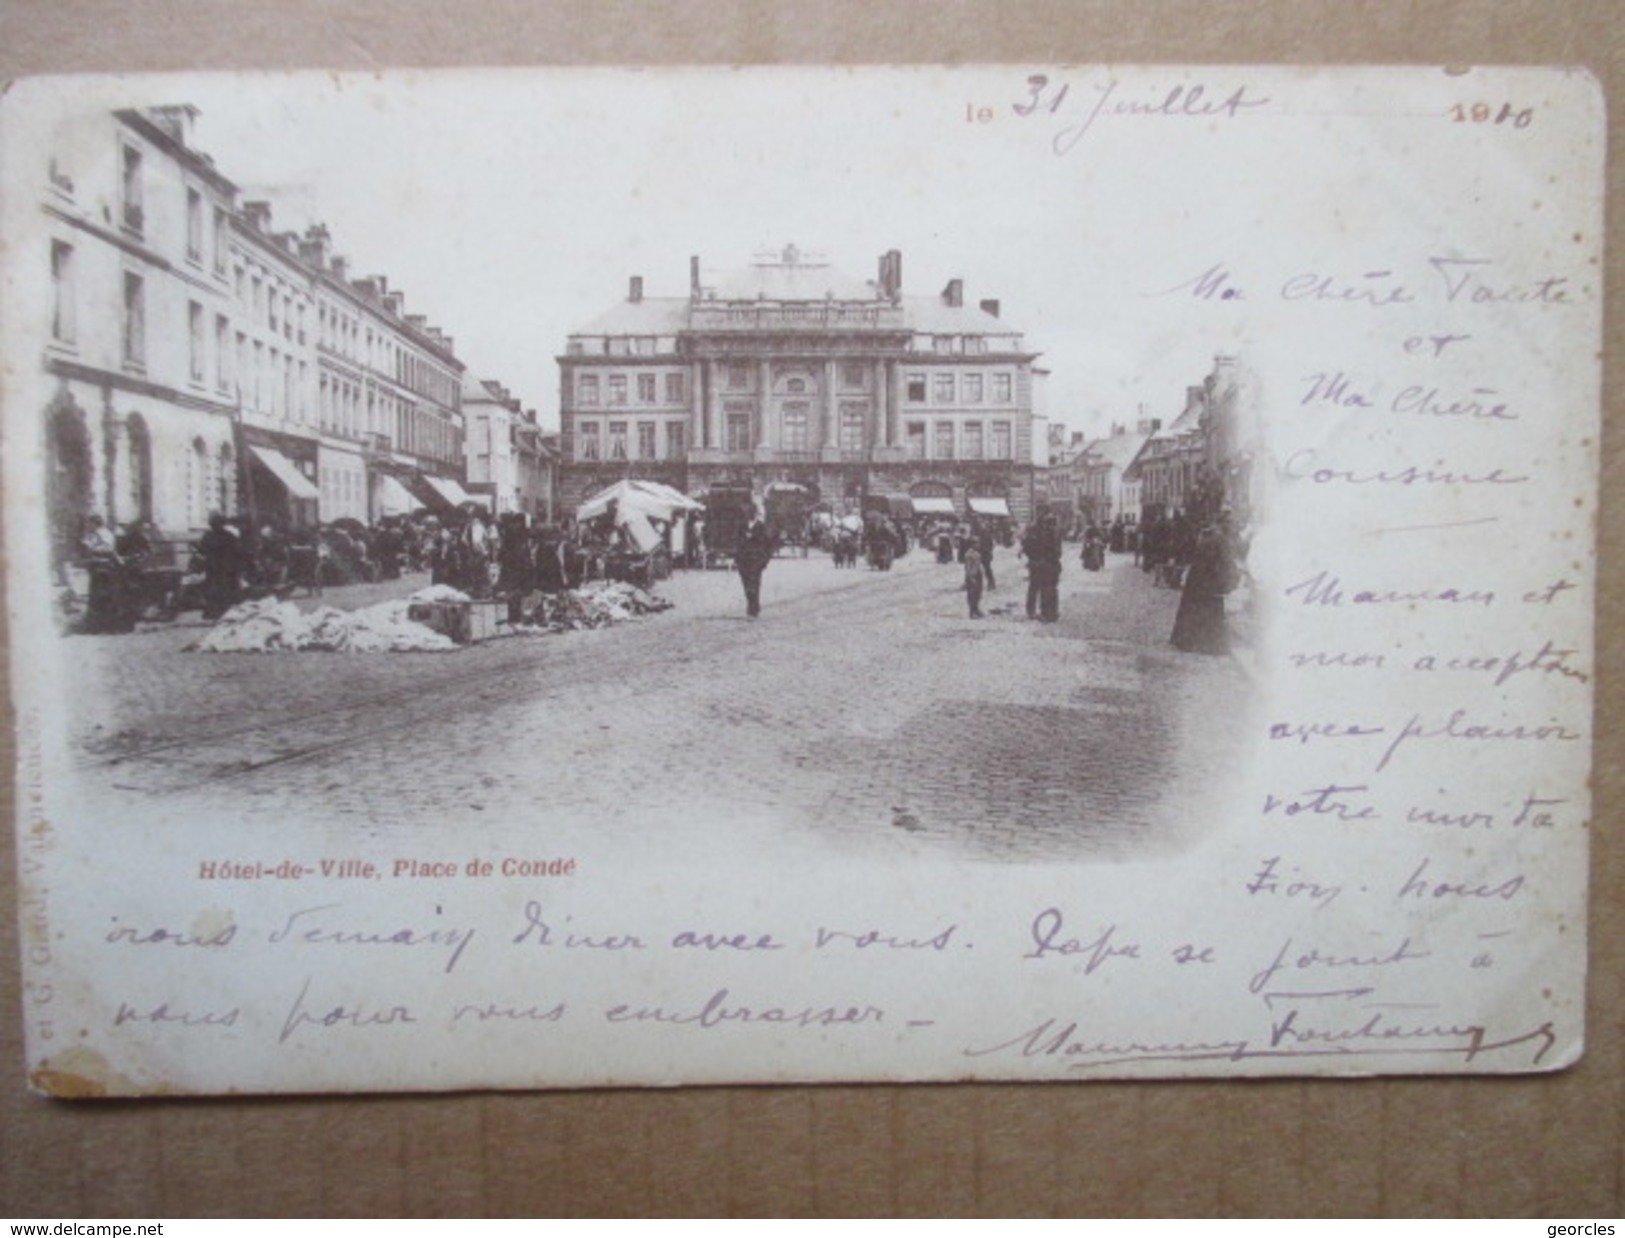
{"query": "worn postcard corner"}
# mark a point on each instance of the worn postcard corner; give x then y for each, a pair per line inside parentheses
(573, 578)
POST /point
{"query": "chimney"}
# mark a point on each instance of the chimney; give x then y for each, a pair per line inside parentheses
(176, 120)
(314, 248)
(634, 291)
(395, 302)
(258, 215)
(418, 323)
(891, 274)
(694, 277)
(953, 295)
(341, 266)
(990, 308)
(370, 288)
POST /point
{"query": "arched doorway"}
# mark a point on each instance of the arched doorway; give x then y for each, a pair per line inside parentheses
(69, 482)
(138, 441)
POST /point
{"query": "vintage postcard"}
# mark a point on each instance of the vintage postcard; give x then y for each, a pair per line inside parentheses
(604, 577)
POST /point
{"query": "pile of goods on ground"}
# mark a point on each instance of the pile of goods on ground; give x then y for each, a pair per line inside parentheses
(270, 626)
(596, 604)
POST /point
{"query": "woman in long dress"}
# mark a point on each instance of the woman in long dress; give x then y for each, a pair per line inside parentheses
(1199, 626)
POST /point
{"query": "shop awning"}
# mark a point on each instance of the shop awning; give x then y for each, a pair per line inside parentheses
(286, 472)
(933, 505)
(990, 507)
(450, 490)
(393, 498)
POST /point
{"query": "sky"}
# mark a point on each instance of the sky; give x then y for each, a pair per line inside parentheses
(511, 206)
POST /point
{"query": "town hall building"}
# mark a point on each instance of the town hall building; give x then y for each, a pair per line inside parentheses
(790, 371)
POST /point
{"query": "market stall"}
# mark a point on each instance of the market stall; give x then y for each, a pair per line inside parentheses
(641, 516)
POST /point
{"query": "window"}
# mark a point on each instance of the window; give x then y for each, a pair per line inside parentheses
(258, 301)
(646, 388)
(945, 440)
(586, 440)
(617, 440)
(241, 281)
(1001, 389)
(916, 388)
(738, 432)
(194, 336)
(976, 343)
(63, 324)
(1001, 440)
(942, 389)
(194, 226)
(972, 388)
(795, 425)
(617, 388)
(587, 389)
(222, 353)
(676, 440)
(270, 309)
(916, 440)
(646, 440)
(617, 346)
(852, 419)
(644, 345)
(241, 368)
(796, 386)
(220, 232)
(258, 385)
(854, 377)
(973, 440)
(738, 377)
(134, 216)
(674, 389)
(942, 344)
(135, 320)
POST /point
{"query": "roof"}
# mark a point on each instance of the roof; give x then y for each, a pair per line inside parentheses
(650, 316)
(933, 315)
(1118, 450)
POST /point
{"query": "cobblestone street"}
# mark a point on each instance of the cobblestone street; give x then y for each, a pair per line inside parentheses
(863, 714)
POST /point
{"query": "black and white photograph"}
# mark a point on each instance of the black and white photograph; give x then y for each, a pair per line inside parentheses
(590, 577)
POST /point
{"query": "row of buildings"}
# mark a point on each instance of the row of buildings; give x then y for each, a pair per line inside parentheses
(199, 360)
(1198, 461)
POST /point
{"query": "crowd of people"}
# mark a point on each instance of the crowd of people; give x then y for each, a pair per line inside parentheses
(136, 574)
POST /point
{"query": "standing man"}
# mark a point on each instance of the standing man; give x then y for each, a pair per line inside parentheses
(973, 579)
(1042, 546)
(755, 549)
(983, 531)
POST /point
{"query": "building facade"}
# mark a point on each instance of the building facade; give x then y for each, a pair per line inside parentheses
(792, 372)
(199, 361)
(1203, 460)
(140, 391)
(507, 462)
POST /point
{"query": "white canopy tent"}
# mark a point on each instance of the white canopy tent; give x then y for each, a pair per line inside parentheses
(633, 497)
(933, 505)
(990, 507)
